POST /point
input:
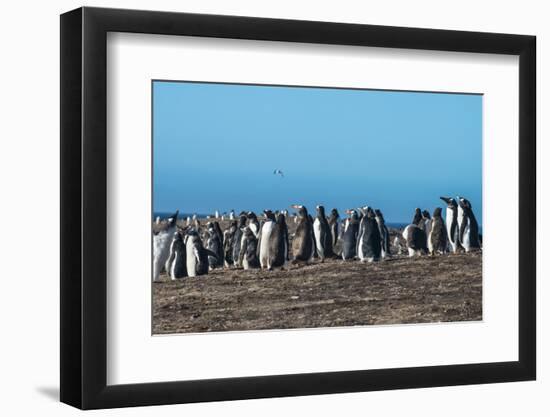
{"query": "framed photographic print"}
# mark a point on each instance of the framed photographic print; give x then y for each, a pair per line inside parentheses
(257, 207)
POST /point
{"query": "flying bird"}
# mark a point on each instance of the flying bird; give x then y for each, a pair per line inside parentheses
(278, 172)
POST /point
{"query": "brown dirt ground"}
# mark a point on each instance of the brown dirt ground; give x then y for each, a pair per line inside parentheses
(335, 293)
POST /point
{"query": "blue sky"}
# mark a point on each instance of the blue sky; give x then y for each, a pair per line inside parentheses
(216, 147)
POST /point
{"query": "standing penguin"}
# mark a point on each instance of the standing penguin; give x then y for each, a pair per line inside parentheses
(264, 246)
(468, 229)
(351, 228)
(415, 236)
(278, 244)
(384, 234)
(237, 240)
(369, 246)
(323, 236)
(162, 239)
(253, 223)
(437, 238)
(249, 245)
(451, 223)
(303, 243)
(228, 242)
(333, 222)
(196, 254)
(215, 244)
(178, 268)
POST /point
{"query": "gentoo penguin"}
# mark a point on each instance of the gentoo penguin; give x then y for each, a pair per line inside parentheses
(178, 268)
(369, 246)
(333, 222)
(161, 244)
(237, 240)
(232, 215)
(188, 221)
(437, 238)
(253, 223)
(278, 244)
(217, 214)
(323, 237)
(228, 241)
(157, 220)
(384, 234)
(303, 243)
(468, 229)
(415, 236)
(351, 228)
(196, 254)
(249, 245)
(264, 241)
(451, 222)
(215, 245)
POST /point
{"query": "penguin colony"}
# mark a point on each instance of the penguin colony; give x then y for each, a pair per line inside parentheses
(250, 244)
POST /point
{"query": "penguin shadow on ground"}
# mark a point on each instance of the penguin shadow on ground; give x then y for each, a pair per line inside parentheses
(49, 392)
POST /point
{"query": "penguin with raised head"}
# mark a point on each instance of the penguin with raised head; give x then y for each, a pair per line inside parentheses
(369, 246)
(253, 223)
(264, 241)
(351, 228)
(162, 239)
(249, 245)
(323, 237)
(237, 244)
(214, 244)
(334, 223)
(196, 254)
(451, 223)
(415, 236)
(437, 238)
(178, 267)
(468, 229)
(303, 245)
(384, 234)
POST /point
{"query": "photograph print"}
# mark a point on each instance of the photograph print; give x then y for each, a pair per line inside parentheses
(293, 207)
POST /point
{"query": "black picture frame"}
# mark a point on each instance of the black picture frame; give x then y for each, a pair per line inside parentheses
(84, 207)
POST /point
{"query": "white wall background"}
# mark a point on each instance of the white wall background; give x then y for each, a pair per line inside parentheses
(29, 173)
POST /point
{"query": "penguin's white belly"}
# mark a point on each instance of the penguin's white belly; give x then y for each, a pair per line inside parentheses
(267, 229)
(161, 251)
(254, 229)
(245, 263)
(173, 267)
(191, 261)
(360, 252)
(449, 224)
(317, 233)
(467, 244)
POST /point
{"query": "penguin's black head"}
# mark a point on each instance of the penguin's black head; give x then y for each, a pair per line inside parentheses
(334, 213)
(242, 221)
(437, 212)
(302, 211)
(172, 219)
(417, 216)
(370, 212)
(465, 204)
(425, 214)
(251, 215)
(281, 218)
(450, 201)
(320, 210)
(269, 214)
